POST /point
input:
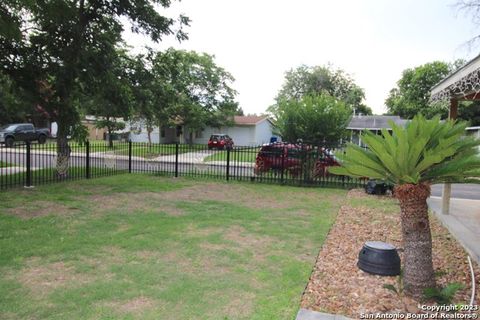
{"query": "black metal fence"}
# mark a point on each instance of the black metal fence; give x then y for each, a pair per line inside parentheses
(31, 164)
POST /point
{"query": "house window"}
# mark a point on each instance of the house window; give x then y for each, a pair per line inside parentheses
(162, 132)
(199, 134)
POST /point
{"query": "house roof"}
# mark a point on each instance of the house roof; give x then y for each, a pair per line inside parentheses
(248, 120)
(374, 122)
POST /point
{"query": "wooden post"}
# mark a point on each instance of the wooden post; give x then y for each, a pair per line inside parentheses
(453, 111)
(447, 187)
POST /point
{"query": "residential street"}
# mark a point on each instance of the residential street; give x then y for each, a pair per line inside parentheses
(187, 162)
(460, 191)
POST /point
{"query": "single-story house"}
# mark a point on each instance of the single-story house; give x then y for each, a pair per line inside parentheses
(475, 132)
(246, 131)
(372, 123)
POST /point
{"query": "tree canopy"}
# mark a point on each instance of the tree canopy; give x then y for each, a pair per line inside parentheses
(412, 96)
(315, 105)
(64, 49)
(180, 87)
(316, 80)
(315, 119)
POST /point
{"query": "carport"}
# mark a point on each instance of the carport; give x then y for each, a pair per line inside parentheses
(461, 85)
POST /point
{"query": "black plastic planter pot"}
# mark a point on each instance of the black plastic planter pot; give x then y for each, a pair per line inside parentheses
(379, 258)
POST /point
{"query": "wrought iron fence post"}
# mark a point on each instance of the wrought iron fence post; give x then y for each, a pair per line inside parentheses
(87, 159)
(176, 160)
(283, 165)
(304, 167)
(228, 164)
(129, 156)
(28, 174)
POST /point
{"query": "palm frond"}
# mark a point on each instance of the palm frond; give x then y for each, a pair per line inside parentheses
(425, 150)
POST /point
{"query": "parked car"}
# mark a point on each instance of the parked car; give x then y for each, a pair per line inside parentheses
(11, 133)
(220, 141)
(292, 157)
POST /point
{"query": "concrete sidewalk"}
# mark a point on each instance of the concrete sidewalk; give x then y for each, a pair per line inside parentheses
(463, 222)
(304, 314)
(187, 157)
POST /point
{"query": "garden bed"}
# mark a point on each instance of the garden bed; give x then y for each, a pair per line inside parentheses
(337, 285)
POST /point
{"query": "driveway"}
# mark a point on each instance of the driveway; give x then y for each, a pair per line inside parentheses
(463, 222)
(187, 157)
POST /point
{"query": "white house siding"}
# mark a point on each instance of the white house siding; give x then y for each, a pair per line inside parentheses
(170, 135)
(263, 132)
(475, 132)
(205, 135)
(143, 136)
(242, 135)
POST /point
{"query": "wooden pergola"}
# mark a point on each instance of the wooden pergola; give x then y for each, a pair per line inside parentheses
(461, 85)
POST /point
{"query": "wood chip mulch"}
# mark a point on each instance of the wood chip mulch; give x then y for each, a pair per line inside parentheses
(337, 286)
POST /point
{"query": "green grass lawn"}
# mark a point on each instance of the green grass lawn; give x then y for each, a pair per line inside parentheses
(4, 164)
(240, 155)
(145, 247)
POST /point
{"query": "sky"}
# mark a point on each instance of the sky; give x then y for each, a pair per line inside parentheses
(257, 41)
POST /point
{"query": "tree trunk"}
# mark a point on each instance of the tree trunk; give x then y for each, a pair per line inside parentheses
(149, 135)
(190, 137)
(110, 138)
(63, 153)
(417, 240)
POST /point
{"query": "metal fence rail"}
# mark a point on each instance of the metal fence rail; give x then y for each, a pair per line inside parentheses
(29, 164)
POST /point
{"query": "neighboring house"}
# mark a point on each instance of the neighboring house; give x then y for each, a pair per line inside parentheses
(372, 123)
(474, 131)
(139, 133)
(94, 133)
(246, 131)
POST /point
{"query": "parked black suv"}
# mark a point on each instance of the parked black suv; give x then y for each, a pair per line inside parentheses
(11, 133)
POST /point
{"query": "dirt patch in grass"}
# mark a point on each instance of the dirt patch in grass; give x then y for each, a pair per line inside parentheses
(182, 263)
(135, 306)
(166, 202)
(240, 305)
(244, 239)
(41, 208)
(242, 194)
(42, 279)
(337, 285)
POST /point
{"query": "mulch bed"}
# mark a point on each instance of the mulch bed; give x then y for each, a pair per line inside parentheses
(337, 285)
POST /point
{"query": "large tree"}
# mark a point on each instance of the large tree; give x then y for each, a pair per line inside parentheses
(146, 95)
(412, 94)
(190, 88)
(63, 42)
(15, 103)
(306, 80)
(111, 93)
(412, 158)
(315, 119)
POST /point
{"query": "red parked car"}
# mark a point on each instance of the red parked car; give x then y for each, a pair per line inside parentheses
(220, 142)
(291, 157)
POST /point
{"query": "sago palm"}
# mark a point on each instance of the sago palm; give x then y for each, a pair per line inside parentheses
(425, 152)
